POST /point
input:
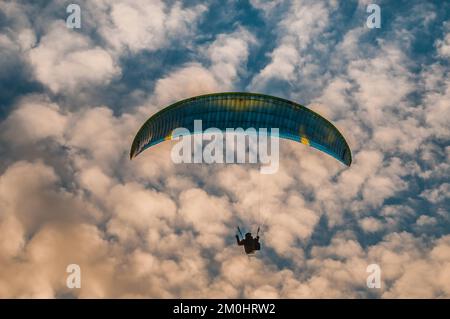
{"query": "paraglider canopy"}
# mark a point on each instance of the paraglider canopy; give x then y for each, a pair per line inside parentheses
(244, 110)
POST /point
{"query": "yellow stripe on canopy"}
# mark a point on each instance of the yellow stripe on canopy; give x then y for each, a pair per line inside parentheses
(304, 140)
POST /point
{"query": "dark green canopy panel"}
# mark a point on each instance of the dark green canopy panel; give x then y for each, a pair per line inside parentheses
(244, 110)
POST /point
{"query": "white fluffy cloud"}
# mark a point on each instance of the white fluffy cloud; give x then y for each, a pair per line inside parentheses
(443, 46)
(141, 24)
(66, 60)
(290, 61)
(226, 56)
(34, 119)
(193, 79)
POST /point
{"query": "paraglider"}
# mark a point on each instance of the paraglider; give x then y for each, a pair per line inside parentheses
(250, 244)
(222, 111)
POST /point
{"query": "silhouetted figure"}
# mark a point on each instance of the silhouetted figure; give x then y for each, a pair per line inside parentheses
(250, 244)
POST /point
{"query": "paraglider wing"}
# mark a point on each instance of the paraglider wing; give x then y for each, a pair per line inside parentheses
(244, 110)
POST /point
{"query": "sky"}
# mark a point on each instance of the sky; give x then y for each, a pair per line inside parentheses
(71, 101)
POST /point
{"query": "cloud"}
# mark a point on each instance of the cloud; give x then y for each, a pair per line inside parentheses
(443, 45)
(266, 5)
(426, 220)
(283, 65)
(226, 57)
(191, 80)
(19, 32)
(370, 224)
(111, 135)
(127, 26)
(207, 215)
(35, 118)
(437, 195)
(291, 60)
(65, 60)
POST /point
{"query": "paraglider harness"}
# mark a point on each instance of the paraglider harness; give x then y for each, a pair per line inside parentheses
(250, 244)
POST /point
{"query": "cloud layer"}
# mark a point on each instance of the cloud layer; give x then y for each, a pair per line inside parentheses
(150, 228)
